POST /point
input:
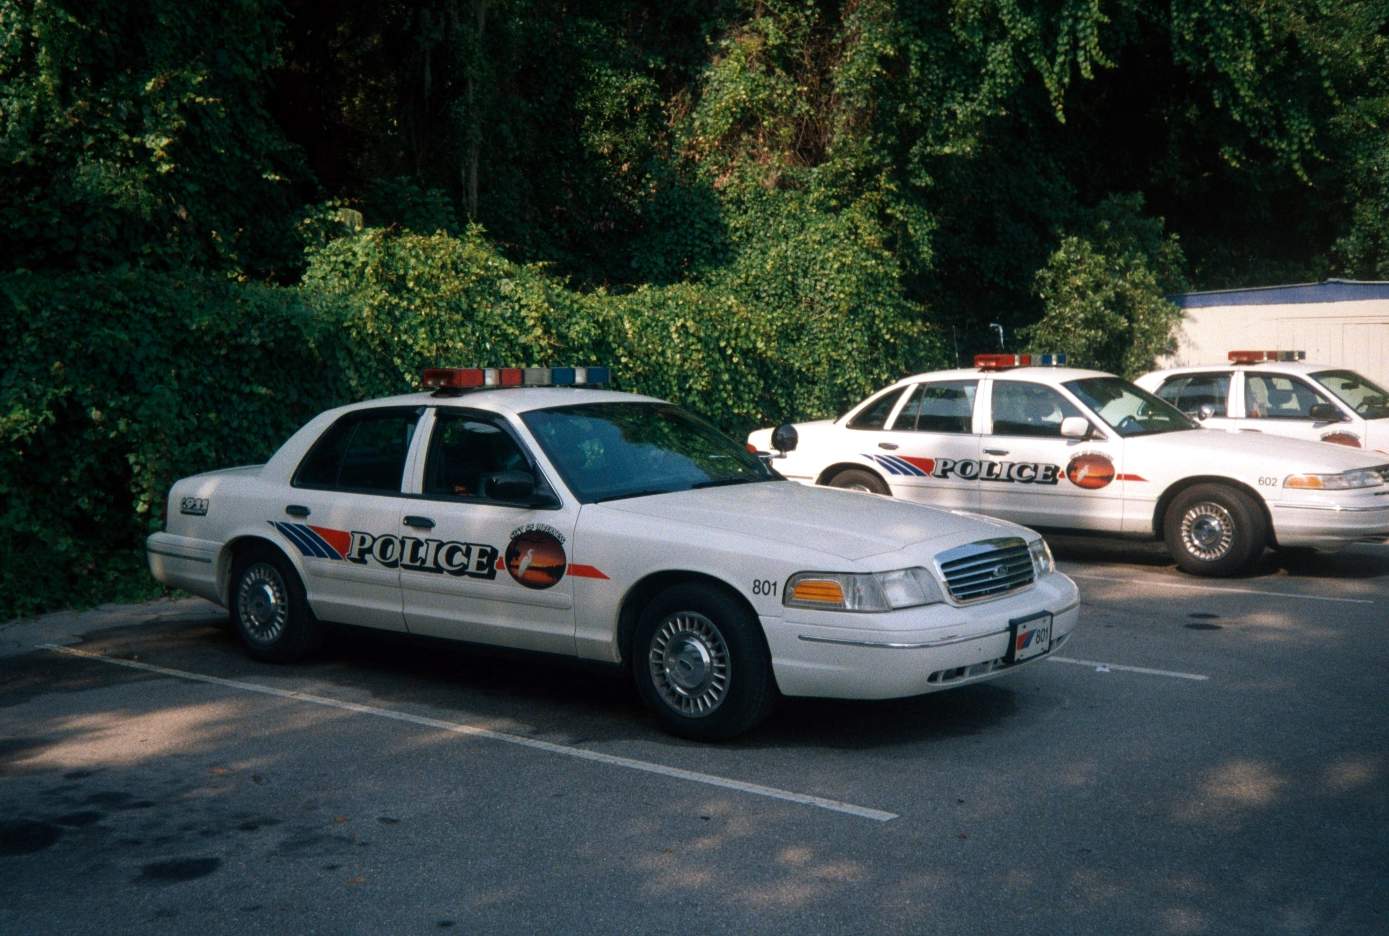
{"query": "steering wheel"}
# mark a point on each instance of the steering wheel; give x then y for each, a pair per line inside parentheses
(1127, 423)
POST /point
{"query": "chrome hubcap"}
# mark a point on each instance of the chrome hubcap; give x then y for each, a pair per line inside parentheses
(261, 603)
(689, 663)
(1208, 531)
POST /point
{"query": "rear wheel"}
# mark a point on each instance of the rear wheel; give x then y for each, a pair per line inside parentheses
(1213, 529)
(701, 663)
(857, 479)
(269, 610)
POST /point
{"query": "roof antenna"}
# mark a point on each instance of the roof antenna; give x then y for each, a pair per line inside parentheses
(998, 328)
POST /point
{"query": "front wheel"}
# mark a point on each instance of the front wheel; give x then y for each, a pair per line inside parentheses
(269, 610)
(856, 479)
(701, 663)
(1214, 530)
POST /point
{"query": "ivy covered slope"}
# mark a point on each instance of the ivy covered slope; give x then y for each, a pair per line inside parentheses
(219, 218)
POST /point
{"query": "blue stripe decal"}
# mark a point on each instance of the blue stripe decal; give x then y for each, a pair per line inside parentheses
(907, 467)
(291, 533)
(882, 462)
(311, 540)
(328, 551)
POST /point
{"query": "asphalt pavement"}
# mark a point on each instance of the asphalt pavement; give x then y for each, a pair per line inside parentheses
(1204, 757)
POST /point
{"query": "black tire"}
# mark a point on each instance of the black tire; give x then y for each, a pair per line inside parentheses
(701, 663)
(857, 479)
(269, 611)
(1213, 529)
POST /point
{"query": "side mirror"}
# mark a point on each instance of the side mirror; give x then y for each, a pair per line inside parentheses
(513, 485)
(1075, 427)
(1326, 412)
(785, 438)
(1206, 411)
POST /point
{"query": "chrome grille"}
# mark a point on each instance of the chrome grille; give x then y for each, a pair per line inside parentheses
(1383, 471)
(986, 569)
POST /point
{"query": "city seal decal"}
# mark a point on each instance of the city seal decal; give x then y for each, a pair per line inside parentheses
(535, 556)
(1090, 471)
(444, 557)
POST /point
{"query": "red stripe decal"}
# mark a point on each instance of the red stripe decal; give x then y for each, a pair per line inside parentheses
(340, 540)
(501, 563)
(585, 571)
(1129, 477)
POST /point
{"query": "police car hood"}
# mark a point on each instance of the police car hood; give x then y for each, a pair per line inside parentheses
(843, 523)
(1204, 446)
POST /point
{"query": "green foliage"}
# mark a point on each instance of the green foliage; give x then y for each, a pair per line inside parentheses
(1104, 292)
(127, 135)
(115, 385)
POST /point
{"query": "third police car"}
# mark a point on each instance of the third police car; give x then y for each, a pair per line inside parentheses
(1057, 447)
(1279, 393)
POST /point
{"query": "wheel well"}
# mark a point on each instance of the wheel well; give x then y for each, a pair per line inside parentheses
(1160, 511)
(642, 593)
(828, 474)
(229, 555)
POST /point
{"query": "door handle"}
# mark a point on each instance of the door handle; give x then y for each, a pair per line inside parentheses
(890, 446)
(995, 451)
(422, 523)
(297, 510)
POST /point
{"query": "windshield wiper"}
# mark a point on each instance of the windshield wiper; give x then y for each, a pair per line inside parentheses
(644, 492)
(721, 482)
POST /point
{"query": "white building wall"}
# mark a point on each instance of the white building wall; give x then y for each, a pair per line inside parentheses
(1351, 334)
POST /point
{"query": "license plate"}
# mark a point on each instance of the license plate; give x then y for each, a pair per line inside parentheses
(1029, 637)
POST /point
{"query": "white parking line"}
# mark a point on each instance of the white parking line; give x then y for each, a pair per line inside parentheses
(756, 789)
(1208, 588)
(1106, 667)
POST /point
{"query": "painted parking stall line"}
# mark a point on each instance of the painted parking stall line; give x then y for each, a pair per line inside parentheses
(678, 773)
(1122, 668)
(1216, 590)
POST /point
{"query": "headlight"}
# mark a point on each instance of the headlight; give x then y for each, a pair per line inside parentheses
(1345, 481)
(870, 591)
(1042, 561)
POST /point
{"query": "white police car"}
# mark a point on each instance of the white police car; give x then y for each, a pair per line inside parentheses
(513, 507)
(1279, 393)
(1062, 448)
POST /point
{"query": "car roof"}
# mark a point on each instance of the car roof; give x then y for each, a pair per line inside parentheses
(513, 400)
(1048, 375)
(1287, 367)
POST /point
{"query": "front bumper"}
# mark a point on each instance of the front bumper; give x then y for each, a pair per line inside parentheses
(846, 655)
(1331, 523)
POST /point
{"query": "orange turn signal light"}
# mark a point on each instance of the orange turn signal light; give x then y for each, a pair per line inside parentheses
(819, 591)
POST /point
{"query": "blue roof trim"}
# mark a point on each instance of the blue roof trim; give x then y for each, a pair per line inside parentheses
(1332, 290)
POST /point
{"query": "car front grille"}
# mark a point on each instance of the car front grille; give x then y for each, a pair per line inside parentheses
(1382, 471)
(986, 569)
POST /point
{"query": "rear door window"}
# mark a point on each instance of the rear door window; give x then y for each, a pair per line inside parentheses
(363, 451)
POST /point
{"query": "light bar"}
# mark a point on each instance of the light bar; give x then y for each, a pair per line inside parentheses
(468, 378)
(1052, 360)
(1001, 361)
(1258, 357)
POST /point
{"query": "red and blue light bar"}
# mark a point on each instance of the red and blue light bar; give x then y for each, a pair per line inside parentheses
(473, 378)
(990, 362)
(1258, 357)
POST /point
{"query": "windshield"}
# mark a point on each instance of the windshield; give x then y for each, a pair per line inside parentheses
(1128, 410)
(606, 451)
(1361, 395)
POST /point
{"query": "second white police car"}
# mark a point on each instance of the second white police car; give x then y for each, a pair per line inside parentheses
(1057, 447)
(511, 507)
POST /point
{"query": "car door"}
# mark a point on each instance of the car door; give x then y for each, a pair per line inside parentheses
(1190, 392)
(1281, 404)
(930, 450)
(1031, 474)
(343, 505)
(485, 565)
